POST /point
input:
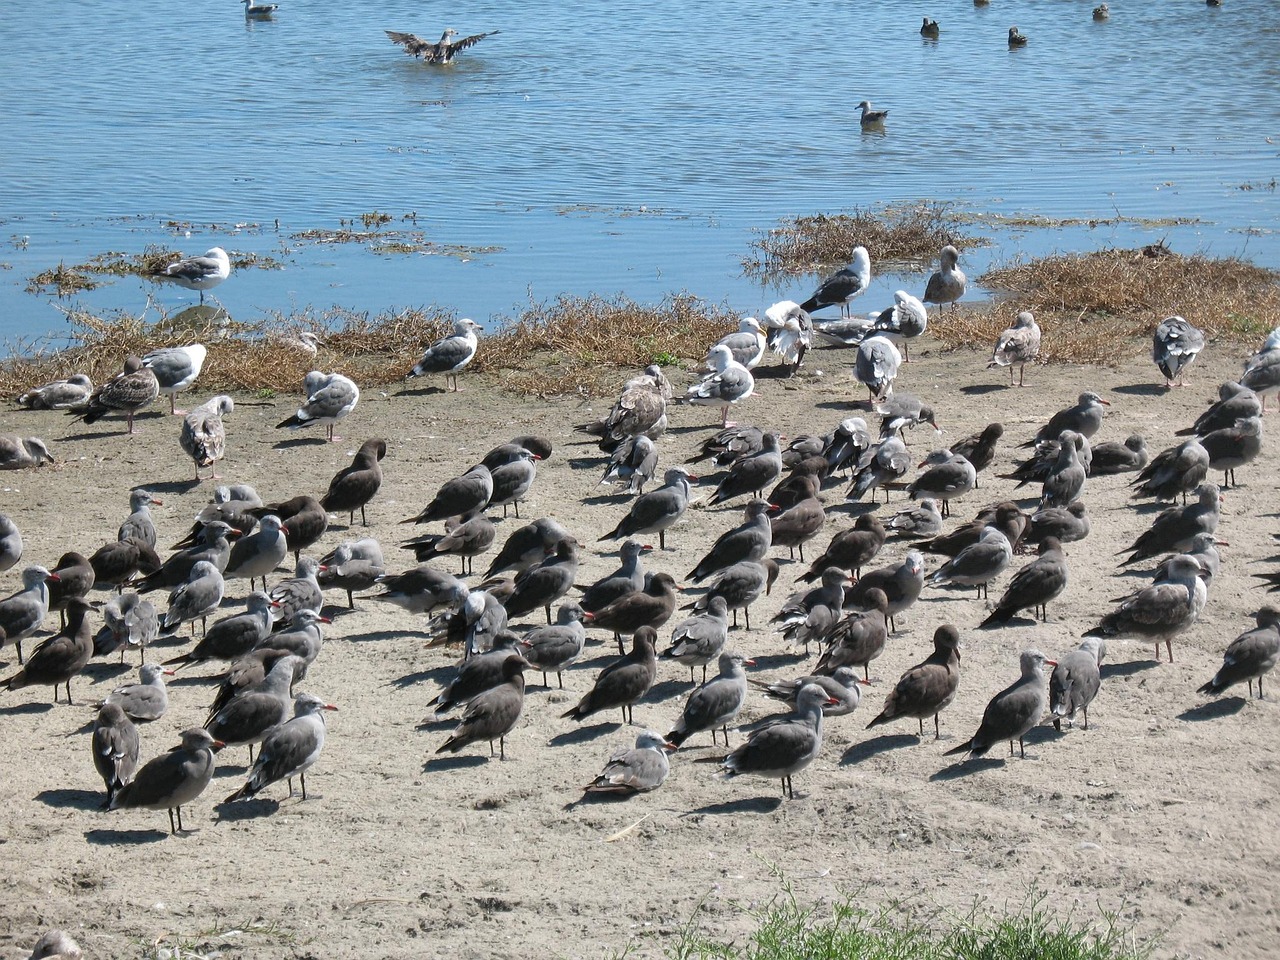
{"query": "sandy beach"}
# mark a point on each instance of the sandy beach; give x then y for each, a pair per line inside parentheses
(1162, 813)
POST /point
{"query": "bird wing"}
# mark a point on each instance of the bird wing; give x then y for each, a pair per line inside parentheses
(470, 41)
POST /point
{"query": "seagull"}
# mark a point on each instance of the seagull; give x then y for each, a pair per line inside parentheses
(929, 29)
(176, 368)
(450, 355)
(199, 273)
(843, 285)
(1174, 345)
(1018, 344)
(58, 395)
(329, 398)
(1102, 12)
(729, 383)
(203, 436)
(261, 11)
(1016, 39)
(790, 333)
(870, 117)
(947, 283)
(442, 51)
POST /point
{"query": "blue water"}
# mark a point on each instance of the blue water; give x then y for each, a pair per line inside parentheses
(618, 147)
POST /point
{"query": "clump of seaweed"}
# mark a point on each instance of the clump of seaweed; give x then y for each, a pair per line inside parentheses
(901, 234)
(64, 280)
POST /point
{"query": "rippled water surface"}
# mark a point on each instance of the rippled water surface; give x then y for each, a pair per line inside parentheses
(621, 147)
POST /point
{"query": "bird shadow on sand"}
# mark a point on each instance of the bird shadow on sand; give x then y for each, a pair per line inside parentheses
(193, 680)
(669, 690)
(441, 764)
(71, 799)
(246, 809)
(967, 768)
(1141, 390)
(584, 734)
(878, 745)
(434, 675)
(319, 441)
(424, 391)
(731, 807)
(23, 709)
(383, 635)
(434, 724)
(96, 435)
(777, 661)
(601, 500)
(113, 838)
(99, 672)
(589, 463)
(173, 486)
(1214, 709)
(982, 389)
(1109, 670)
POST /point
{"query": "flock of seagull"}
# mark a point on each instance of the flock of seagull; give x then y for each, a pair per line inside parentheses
(849, 613)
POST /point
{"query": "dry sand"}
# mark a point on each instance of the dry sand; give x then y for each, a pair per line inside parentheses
(1163, 812)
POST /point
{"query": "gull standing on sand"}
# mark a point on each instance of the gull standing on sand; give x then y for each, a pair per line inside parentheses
(637, 770)
(289, 750)
(729, 383)
(1162, 610)
(1075, 681)
(784, 746)
(115, 748)
(60, 658)
(715, 704)
(145, 700)
(845, 284)
(353, 487)
(640, 408)
(1019, 344)
(1014, 711)
(492, 714)
(1085, 418)
(877, 365)
(1250, 656)
(450, 355)
(1040, 581)
(1174, 345)
(442, 51)
(10, 545)
(354, 565)
(199, 273)
(947, 284)
(1262, 370)
(329, 398)
(790, 333)
(22, 614)
(195, 599)
(176, 368)
(905, 320)
(926, 689)
(203, 436)
(173, 779)
(128, 392)
(949, 475)
(58, 395)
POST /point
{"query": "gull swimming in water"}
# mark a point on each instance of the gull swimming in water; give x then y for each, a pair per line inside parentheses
(261, 11)
(870, 117)
(1016, 39)
(199, 273)
(442, 51)
(929, 29)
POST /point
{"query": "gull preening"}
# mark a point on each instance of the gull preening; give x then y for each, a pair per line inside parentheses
(1018, 344)
(329, 398)
(442, 51)
(1174, 345)
(199, 273)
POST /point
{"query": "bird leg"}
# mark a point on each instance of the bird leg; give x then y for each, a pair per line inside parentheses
(937, 733)
(172, 830)
(548, 614)
(560, 679)
(1168, 645)
(1022, 751)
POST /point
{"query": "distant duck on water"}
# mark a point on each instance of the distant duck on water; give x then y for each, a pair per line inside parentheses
(1016, 39)
(929, 29)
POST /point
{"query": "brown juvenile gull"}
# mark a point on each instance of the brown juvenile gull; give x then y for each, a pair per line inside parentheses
(1175, 528)
(641, 408)
(452, 354)
(442, 51)
(857, 639)
(1019, 344)
(640, 769)
(753, 474)
(785, 746)
(72, 579)
(127, 392)
(203, 436)
(493, 714)
(926, 689)
(1160, 611)
(1075, 681)
(173, 779)
(1250, 656)
(1016, 39)
(650, 607)
(1013, 711)
(198, 273)
(929, 29)
(353, 487)
(115, 748)
(327, 398)
(715, 704)
(842, 286)
(850, 549)
(980, 448)
(465, 537)
(176, 368)
(60, 658)
(289, 750)
(623, 682)
(1176, 470)
(58, 395)
(458, 496)
(750, 540)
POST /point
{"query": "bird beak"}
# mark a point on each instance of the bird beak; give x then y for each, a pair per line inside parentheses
(691, 478)
(330, 706)
(1051, 663)
(170, 673)
(233, 534)
(832, 701)
(647, 546)
(323, 567)
(158, 503)
(1221, 543)
(773, 508)
(865, 683)
(748, 663)
(1105, 403)
(53, 578)
(670, 747)
(327, 620)
(218, 745)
